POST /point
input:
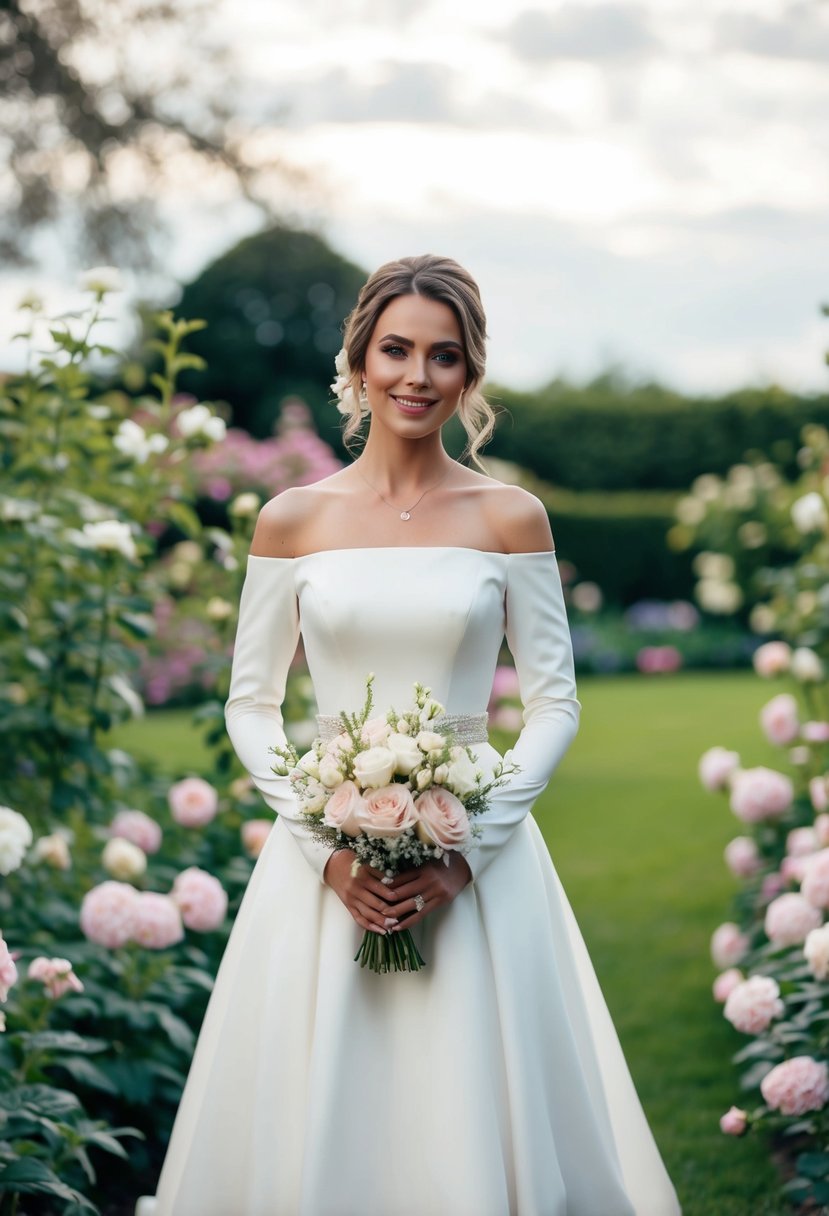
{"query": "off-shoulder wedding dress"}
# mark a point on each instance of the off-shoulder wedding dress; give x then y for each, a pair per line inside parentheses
(490, 1083)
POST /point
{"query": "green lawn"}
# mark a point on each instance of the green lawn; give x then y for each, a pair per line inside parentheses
(638, 845)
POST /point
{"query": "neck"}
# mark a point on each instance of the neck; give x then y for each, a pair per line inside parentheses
(396, 465)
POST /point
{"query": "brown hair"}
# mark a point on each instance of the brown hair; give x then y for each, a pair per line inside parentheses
(436, 278)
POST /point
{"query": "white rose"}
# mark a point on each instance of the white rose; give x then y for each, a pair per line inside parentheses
(407, 754)
(806, 666)
(423, 779)
(244, 506)
(101, 280)
(123, 859)
(15, 838)
(441, 773)
(198, 420)
(215, 428)
(462, 776)
(53, 850)
(330, 773)
(310, 764)
(341, 363)
(110, 536)
(809, 513)
(133, 441)
(218, 609)
(314, 797)
(430, 741)
(718, 597)
(374, 767)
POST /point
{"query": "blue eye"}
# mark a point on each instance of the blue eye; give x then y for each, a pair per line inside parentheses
(391, 350)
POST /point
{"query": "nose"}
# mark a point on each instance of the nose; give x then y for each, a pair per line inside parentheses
(418, 371)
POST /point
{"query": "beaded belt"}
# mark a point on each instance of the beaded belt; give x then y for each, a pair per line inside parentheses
(466, 728)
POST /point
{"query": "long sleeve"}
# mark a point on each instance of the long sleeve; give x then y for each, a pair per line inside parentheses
(266, 639)
(539, 640)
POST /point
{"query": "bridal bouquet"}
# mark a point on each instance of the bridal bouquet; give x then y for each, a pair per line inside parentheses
(396, 790)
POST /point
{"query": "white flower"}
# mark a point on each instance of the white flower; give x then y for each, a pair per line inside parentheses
(101, 280)
(430, 709)
(407, 754)
(706, 487)
(462, 777)
(218, 609)
(110, 536)
(587, 597)
(717, 566)
(314, 797)
(244, 506)
(132, 440)
(15, 838)
(198, 421)
(809, 513)
(53, 851)
(330, 773)
(690, 511)
(341, 363)
(123, 859)
(310, 764)
(806, 666)
(374, 767)
(431, 741)
(718, 597)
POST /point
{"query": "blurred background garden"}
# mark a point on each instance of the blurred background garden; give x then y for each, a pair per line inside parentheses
(652, 255)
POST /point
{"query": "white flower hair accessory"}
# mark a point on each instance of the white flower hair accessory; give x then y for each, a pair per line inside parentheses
(341, 386)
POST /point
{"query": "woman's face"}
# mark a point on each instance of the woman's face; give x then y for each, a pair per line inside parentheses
(415, 365)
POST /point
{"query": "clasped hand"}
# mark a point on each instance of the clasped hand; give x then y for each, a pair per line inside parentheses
(389, 905)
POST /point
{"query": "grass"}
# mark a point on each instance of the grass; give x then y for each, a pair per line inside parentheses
(638, 846)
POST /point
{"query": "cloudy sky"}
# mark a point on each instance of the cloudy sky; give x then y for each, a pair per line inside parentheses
(644, 183)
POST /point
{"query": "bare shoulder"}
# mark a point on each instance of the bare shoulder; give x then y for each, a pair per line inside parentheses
(284, 519)
(520, 520)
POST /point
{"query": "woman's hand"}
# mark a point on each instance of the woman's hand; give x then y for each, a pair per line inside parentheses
(437, 882)
(363, 893)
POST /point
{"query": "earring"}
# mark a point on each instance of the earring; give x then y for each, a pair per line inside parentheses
(363, 394)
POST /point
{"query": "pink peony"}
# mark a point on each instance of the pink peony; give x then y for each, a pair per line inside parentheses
(773, 884)
(386, 811)
(752, 1005)
(442, 819)
(504, 683)
(716, 768)
(193, 802)
(56, 975)
(819, 794)
(656, 660)
(8, 970)
(815, 884)
(779, 719)
(341, 809)
(760, 793)
(796, 1086)
(734, 1122)
(800, 842)
(822, 830)
(816, 952)
(201, 899)
(254, 834)
(728, 945)
(742, 856)
(725, 983)
(139, 829)
(789, 918)
(156, 921)
(772, 659)
(793, 869)
(108, 913)
(815, 732)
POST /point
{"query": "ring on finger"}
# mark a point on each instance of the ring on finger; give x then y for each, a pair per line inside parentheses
(419, 902)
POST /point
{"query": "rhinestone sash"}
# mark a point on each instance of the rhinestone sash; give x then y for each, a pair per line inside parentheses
(466, 728)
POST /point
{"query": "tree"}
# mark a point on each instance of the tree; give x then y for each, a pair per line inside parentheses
(104, 104)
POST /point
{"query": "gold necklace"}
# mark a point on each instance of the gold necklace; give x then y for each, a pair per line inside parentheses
(407, 513)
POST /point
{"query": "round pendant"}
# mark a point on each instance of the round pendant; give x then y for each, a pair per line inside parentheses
(405, 515)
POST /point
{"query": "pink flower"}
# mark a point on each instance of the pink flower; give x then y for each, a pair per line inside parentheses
(193, 802)
(108, 913)
(8, 970)
(655, 660)
(742, 856)
(375, 732)
(779, 719)
(507, 717)
(815, 732)
(800, 842)
(342, 810)
(796, 1086)
(725, 983)
(138, 828)
(734, 1121)
(752, 1005)
(442, 819)
(816, 952)
(717, 766)
(819, 794)
(56, 975)
(789, 918)
(760, 793)
(773, 884)
(728, 945)
(822, 830)
(201, 898)
(254, 834)
(792, 869)
(157, 921)
(386, 811)
(504, 683)
(772, 659)
(815, 884)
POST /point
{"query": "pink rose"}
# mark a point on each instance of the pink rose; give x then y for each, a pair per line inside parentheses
(822, 829)
(815, 732)
(254, 834)
(793, 869)
(8, 970)
(742, 856)
(801, 841)
(779, 719)
(716, 768)
(819, 794)
(157, 921)
(728, 945)
(442, 819)
(138, 828)
(201, 899)
(772, 659)
(760, 793)
(193, 802)
(734, 1122)
(386, 811)
(789, 918)
(752, 1005)
(796, 1086)
(108, 912)
(375, 732)
(343, 807)
(56, 975)
(725, 983)
(815, 884)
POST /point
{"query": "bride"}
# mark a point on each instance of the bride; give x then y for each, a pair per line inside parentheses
(491, 1082)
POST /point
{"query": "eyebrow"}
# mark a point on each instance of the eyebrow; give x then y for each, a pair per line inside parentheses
(434, 346)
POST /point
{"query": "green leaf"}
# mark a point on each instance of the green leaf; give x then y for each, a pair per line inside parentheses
(86, 1073)
(44, 1100)
(177, 1030)
(29, 1177)
(813, 1165)
(60, 1040)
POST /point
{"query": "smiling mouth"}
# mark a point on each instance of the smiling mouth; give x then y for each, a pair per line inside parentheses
(414, 403)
